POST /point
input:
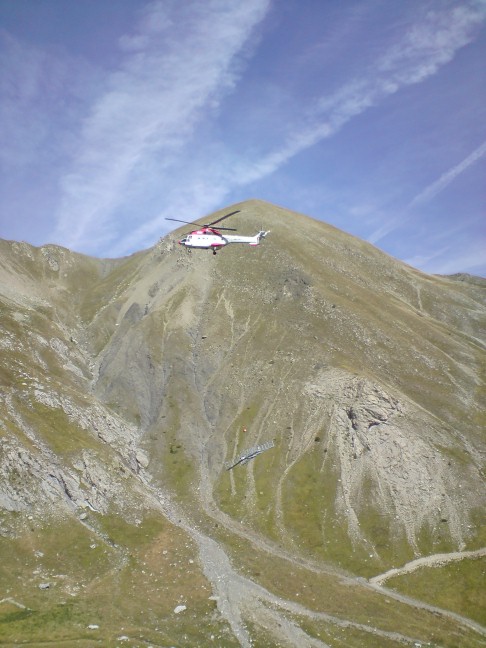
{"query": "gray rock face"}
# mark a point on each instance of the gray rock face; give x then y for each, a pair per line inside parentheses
(393, 445)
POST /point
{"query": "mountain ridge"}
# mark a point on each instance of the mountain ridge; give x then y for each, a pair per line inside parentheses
(133, 379)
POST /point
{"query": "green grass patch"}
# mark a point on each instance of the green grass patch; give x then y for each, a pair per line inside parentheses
(305, 503)
(128, 535)
(128, 586)
(457, 586)
(391, 546)
(328, 593)
(478, 524)
(435, 538)
(55, 428)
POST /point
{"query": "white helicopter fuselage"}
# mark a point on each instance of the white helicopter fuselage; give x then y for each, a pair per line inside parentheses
(207, 239)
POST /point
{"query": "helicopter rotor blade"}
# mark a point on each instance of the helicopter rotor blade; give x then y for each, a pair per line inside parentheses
(218, 220)
(201, 225)
(223, 217)
(178, 220)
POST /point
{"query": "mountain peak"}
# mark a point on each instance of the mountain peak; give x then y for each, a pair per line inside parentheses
(128, 386)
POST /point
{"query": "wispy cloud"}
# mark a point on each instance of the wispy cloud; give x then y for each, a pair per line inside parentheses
(446, 178)
(389, 225)
(422, 51)
(447, 259)
(31, 83)
(151, 104)
(189, 202)
(179, 121)
(427, 194)
(155, 99)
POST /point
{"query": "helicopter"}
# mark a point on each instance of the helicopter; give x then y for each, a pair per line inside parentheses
(208, 237)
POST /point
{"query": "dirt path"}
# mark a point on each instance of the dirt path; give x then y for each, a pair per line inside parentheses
(241, 597)
(427, 561)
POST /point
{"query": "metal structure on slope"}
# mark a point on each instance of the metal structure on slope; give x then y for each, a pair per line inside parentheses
(249, 454)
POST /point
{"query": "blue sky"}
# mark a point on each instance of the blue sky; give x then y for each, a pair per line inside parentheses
(369, 115)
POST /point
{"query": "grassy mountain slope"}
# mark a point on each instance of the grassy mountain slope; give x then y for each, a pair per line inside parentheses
(127, 385)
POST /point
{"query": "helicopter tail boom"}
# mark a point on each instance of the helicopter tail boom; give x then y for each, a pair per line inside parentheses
(257, 238)
(251, 240)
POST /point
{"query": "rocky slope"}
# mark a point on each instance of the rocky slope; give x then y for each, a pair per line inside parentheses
(127, 385)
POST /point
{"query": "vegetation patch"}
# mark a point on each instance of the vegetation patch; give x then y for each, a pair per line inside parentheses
(56, 429)
(457, 586)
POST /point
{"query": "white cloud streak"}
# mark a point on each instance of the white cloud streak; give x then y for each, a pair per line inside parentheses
(388, 226)
(427, 194)
(152, 104)
(176, 69)
(424, 49)
(447, 260)
(446, 178)
(31, 85)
